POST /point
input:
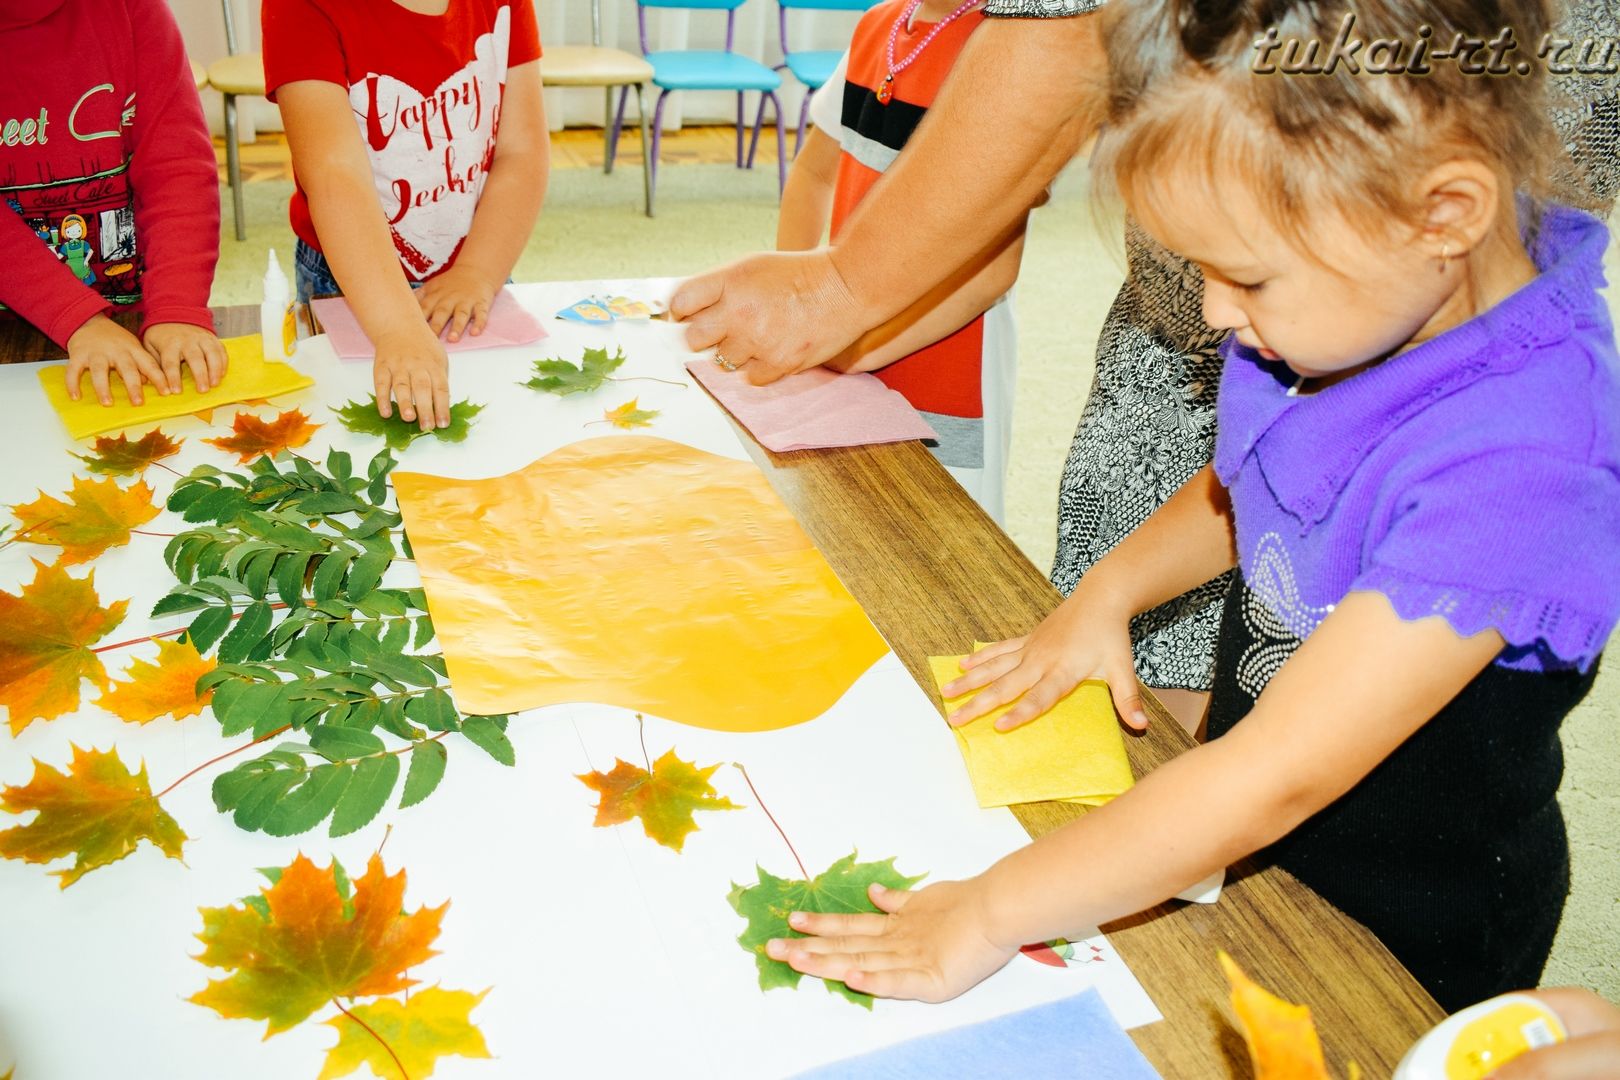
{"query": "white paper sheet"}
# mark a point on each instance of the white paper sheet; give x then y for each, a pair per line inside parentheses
(605, 952)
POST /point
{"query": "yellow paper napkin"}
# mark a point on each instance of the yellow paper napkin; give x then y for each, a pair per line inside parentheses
(1075, 753)
(248, 377)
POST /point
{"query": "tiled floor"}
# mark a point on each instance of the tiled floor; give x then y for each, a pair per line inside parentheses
(574, 148)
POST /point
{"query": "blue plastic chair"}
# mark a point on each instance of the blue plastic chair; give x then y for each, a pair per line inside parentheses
(812, 67)
(708, 69)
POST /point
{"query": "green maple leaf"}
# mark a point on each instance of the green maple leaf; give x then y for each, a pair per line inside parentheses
(557, 376)
(840, 889)
(362, 418)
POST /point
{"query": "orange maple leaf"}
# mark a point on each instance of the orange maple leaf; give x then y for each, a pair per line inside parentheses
(49, 627)
(120, 457)
(1283, 1044)
(167, 686)
(98, 812)
(255, 438)
(98, 515)
(312, 946)
(663, 799)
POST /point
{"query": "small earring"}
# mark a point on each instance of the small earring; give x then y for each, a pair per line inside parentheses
(1445, 256)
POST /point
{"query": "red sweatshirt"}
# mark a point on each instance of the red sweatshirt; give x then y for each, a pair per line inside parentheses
(109, 195)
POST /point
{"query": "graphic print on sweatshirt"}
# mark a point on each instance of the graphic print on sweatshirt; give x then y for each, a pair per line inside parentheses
(430, 153)
(85, 214)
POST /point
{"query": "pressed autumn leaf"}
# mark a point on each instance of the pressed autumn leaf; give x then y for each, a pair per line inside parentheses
(98, 515)
(313, 945)
(433, 1024)
(558, 376)
(45, 651)
(362, 418)
(120, 457)
(206, 415)
(628, 417)
(254, 438)
(767, 903)
(97, 811)
(167, 686)
(663, 799)
(1283, 1044)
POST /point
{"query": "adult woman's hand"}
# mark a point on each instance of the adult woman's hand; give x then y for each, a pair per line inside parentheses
(771, 314)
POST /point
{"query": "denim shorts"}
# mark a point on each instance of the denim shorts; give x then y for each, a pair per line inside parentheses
(312, 274)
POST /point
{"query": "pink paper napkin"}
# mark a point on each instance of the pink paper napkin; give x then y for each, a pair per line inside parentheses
(509, 324)
(814, 409)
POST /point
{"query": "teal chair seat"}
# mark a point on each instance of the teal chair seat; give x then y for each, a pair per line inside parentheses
(711, 70)
(813, 68)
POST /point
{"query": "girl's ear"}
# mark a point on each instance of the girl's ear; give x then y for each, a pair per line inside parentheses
(1462, 201)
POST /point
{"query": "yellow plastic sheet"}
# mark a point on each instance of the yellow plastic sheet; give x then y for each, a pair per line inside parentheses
(636, 572)
(248, 377)
(1075, 753)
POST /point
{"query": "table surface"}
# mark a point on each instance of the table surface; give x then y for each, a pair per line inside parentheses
(935, 574)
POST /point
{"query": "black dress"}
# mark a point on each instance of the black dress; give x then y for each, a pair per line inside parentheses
(1465, 891)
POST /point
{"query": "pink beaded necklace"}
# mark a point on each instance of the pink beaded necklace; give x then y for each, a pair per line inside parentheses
(885, 91)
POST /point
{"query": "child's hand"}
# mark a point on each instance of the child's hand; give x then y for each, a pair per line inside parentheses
(459, 297)
(175, 343)
(1087, 637)
(412, 370)
(930, 945)
(100, 346)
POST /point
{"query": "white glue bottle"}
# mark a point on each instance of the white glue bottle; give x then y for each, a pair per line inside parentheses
(277, 324)
(1479, 1040)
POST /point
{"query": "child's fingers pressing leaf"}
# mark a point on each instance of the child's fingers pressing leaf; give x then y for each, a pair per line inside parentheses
(441, 399)
(382, 385)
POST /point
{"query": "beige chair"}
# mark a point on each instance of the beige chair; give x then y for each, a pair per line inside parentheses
(236, 75)
(595, 65)
(198, 75)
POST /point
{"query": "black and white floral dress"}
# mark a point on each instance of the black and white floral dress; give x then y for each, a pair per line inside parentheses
(1149, 423)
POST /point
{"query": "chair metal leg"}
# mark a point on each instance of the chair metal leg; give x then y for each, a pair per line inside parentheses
(753, 140)
(233, 164)
(657, 138)
(646, 155)
(781, 145)
(739, 129)
(804, 117)
(608, 129)
(616, 127)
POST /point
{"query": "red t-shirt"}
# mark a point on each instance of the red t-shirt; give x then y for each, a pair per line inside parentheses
(109, 195)
(943, 377)
(426, 92)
